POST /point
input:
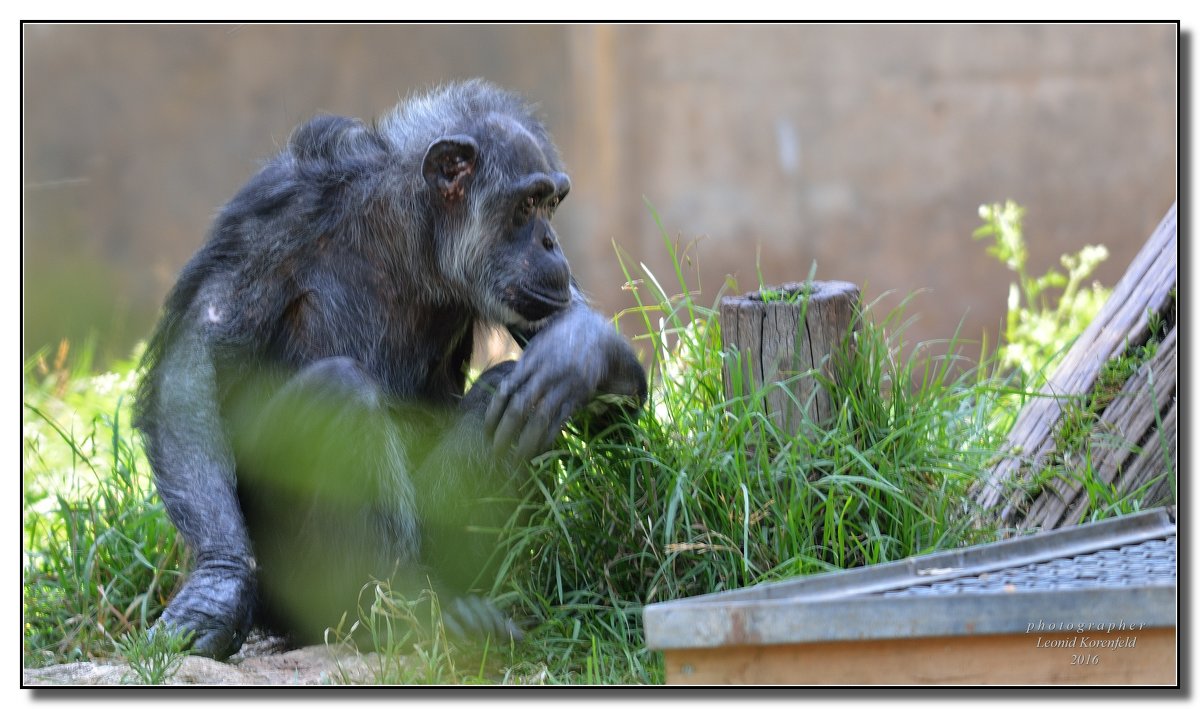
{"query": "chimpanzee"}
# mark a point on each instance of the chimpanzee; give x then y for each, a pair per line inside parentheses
(302, 402)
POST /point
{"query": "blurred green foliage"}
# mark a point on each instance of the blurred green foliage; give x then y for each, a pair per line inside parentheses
(1045, 313)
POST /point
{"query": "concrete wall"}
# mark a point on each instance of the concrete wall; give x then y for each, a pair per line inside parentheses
(864, 148)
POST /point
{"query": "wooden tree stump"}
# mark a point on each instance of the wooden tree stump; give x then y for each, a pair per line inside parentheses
(1139, 426)
(792, 332)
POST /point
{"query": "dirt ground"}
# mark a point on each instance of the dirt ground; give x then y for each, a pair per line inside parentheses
(261, 661)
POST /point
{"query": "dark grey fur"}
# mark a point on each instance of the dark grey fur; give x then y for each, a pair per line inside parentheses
(302, 403)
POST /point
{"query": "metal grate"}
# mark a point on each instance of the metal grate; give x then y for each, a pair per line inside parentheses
(1121, 569)
(1148, 563)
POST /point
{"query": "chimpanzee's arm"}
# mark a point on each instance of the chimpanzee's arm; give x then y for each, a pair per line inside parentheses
(195, 474)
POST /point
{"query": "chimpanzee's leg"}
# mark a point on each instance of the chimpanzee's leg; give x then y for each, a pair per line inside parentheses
(467, 493)
(324, 485)
(332, 500)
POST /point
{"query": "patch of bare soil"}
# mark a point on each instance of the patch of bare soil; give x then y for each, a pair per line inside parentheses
(261, 661)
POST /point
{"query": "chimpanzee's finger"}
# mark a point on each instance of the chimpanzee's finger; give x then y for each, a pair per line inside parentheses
(500, 409)
(497, 406)
(532, 435)
(518, 417)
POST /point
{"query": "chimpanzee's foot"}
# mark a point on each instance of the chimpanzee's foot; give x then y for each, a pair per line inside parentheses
(215, 607)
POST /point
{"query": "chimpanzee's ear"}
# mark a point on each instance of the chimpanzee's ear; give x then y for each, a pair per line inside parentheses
(448, 165)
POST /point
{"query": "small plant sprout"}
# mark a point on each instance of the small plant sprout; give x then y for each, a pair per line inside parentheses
(153, 657)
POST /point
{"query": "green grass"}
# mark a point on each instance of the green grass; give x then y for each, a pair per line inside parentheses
(699, 494)
(100, 556)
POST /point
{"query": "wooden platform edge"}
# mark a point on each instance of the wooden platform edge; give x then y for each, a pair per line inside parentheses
(1131, 657)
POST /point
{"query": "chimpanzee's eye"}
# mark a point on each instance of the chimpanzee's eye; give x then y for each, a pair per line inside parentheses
(525, 210)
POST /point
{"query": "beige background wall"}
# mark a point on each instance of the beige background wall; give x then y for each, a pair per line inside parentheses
(865, 148)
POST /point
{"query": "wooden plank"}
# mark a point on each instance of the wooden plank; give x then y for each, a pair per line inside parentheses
(785, 354)
(1162, 483)
(1026, 658)
(750, 326)
(727, 316)
(1149, 466)
(1130, 427)
(833, 315)
(1122, 321)
(739, 325)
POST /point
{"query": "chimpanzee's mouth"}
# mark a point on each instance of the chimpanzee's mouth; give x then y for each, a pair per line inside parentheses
(534, 304)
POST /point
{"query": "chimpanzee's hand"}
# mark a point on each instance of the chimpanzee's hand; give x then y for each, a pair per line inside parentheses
(215, 606)
(576, 356)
